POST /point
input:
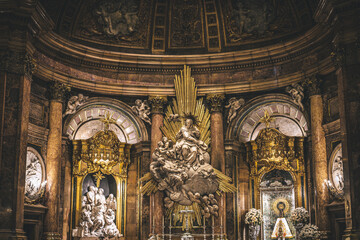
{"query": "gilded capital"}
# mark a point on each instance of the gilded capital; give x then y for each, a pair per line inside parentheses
(216, 102)
(338, 56)
(157, 104)
(58, 91)
(312, 85)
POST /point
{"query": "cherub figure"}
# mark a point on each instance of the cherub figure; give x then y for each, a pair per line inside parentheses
(234, 105)
(297, 94)
(142, 109)
(74, 103)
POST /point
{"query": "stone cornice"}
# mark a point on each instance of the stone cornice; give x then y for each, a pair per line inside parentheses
(86, 81)
(76, 54)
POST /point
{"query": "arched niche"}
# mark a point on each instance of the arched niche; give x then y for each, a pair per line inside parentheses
(289, 119)
(85, 123)
(276, 186)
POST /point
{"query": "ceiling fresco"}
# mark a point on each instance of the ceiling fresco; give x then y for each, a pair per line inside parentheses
(179, 27)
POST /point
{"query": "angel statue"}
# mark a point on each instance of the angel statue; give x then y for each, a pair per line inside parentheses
(297, 93)
(234, 105)
(74, 103)
(142, 109)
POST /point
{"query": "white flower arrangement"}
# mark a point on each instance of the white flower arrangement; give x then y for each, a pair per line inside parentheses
(299, 216)
(309, 232)
(253, 217)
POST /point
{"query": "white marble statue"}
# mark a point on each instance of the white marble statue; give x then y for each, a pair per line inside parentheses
(142, 110)
(297, 94)
(97, 215)
(74, 103)
(34, 175)
(183, 171)
(234, 105)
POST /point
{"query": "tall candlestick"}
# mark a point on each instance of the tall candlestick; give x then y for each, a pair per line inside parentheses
(212, 228)
(163, 227)
(204, 228)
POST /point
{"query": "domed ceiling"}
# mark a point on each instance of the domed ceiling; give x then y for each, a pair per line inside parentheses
(179, 26)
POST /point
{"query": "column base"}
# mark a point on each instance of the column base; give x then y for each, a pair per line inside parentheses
(351, 235)
(11, 234)
(51, 236)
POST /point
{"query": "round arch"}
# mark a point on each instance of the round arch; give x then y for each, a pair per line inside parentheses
(86, 121)
(289, 119)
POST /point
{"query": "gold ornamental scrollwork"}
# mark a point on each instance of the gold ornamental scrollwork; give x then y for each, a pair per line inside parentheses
(274, 150)
(103, 152)
(101, 155)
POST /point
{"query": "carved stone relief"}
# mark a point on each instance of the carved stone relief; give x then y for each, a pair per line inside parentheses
(186, 27)
(297, 94)
(97, 215)
(74, 103)
(119, 22)
(234, 105)
(336, 171)
(142, 110)
(35, 176)
(250, 20)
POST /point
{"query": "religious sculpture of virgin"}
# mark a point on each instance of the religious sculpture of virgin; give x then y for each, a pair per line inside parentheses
(183, 170)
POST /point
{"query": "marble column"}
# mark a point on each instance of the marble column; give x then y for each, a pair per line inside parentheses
(318, 153)
(15, 83)
(141, 157)
(67, 189)
(53, 161)
(347, 65)
(156, 200)
(215, 102)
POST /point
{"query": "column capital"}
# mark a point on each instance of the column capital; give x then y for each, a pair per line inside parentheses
(17, 62)
(158, 104)
(312, 85)
(338, 55)
(215, 101)
(59, 90)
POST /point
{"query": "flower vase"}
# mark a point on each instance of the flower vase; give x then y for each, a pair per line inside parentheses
(254, 231)
(298, 228)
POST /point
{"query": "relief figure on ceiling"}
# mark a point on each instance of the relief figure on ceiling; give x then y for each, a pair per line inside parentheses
(117, 18)
(254, 19)
(253, 16)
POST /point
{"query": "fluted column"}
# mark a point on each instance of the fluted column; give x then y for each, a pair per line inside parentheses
(53, 161)
(156, 200)
(318, 152)
(15, 83)
(215, 102)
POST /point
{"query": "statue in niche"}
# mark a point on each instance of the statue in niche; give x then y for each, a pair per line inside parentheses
(183, 171)
(338, 173)
(297, 94)
(142, 110)
(34, 187)
(117, 18)
(234, 105)
(97, 215)
(74, 103)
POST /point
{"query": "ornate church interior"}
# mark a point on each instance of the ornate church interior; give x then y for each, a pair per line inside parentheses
(180, 119)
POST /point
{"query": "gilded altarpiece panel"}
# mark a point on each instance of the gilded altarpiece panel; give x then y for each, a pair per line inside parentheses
(277, 174)
(101, 157)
